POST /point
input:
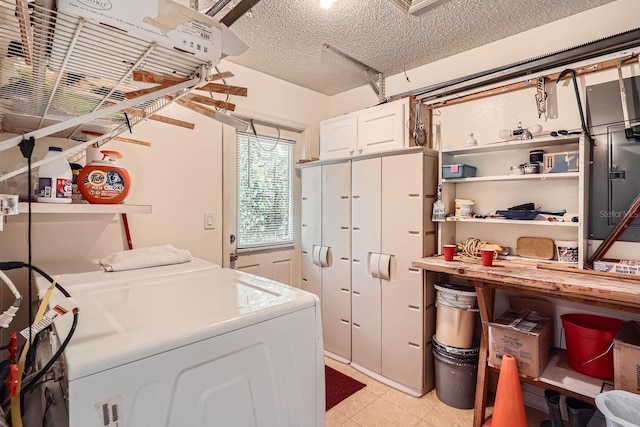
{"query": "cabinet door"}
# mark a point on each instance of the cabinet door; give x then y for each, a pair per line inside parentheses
(402, 297)
(338, 137)
(336, 277)
(365, 239)
(382, 128)
(311, 227)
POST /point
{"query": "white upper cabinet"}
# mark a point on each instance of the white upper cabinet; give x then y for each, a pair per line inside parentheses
(382, 128)
(338, 137)
(376, 129)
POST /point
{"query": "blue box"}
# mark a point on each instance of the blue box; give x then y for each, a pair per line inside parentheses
(561, 162)
(458, 171)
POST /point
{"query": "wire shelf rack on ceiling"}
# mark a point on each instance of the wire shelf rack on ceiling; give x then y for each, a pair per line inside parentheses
(62, 75)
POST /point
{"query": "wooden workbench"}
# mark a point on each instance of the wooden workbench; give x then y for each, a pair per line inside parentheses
(534, 279)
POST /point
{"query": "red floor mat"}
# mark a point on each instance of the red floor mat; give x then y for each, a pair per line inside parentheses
(339, 386)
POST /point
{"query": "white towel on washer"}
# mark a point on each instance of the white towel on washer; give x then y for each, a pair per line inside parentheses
(152, 256)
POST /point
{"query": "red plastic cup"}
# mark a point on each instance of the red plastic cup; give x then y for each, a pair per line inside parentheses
(487, 257)
(449, 251)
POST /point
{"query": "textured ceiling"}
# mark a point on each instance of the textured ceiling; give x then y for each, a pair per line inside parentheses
(286, 37)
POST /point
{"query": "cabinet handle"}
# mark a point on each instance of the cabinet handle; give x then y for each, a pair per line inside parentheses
(344, 259)
(344, 290)
(356, 260)
(344, 197)
(356, 197)
(346, 322)
(356, 293)
(304, 225)
(414, 345)
(414, 232)
(304, 198)
(304, 280)
(356, 228)
(304, 252)
(414, 307)
(414, 269)
(414, 195)
(355, 325)
(344, 228)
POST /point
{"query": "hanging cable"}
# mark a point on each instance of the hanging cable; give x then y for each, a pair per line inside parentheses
(255, 134)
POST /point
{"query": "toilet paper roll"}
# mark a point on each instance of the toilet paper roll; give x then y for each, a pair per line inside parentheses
(374, 260)
(384, 267)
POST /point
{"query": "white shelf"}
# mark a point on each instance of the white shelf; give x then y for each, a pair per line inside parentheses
(82, 208)
(529, 177)
(516, 144)
(514, 221)
(564, 377)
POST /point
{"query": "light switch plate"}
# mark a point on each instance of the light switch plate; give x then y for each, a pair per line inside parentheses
(209, 223)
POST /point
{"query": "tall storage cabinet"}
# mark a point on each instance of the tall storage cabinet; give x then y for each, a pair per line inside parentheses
(392, 303)
(326, 250)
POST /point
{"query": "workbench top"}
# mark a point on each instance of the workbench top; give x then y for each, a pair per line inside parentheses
(553, 280)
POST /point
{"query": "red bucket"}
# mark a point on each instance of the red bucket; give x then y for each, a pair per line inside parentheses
(590, 343)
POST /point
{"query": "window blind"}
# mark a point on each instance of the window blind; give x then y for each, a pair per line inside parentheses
(264, 179)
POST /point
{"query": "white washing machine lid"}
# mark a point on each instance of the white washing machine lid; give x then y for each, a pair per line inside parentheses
(78, 272)
(123, 321)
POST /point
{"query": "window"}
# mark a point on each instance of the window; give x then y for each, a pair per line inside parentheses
(265, 168)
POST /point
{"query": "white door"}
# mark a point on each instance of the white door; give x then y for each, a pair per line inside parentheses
(336, 276)
(277, 263)
(365, 240)
(311, 227)
(402, 296)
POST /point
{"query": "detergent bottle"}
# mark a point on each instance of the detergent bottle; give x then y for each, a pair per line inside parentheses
(103, 181)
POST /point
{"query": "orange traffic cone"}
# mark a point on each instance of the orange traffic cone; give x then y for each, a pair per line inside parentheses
(508, 409)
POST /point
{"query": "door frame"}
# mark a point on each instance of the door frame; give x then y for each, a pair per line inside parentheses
(266, 125)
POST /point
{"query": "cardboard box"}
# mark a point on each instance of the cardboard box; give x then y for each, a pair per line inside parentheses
(626, 358)
(525, 331)
(561, 162)
(167, 23)
(631, 268)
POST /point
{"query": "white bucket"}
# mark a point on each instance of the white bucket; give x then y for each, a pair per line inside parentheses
(464, 207)
(619, 407)
(455, 316)
(567, 251)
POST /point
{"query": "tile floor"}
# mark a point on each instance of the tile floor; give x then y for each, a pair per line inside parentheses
(378, 405)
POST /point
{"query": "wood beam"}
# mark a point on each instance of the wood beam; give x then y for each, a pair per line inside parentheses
(26, 33)
(241, 8)
(119, 138)
(210, 101)
(136, 93)
(197, 108)
(163, 79)
(172, 121)
(229, 90)
(587, 69)
(220, 76)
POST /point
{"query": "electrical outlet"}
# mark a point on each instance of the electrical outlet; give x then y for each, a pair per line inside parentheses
(209, 223)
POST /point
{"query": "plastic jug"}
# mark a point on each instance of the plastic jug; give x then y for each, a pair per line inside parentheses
(54, 179)
(103, 181)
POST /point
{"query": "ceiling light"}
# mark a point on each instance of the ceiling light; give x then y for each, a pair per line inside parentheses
(326, 4)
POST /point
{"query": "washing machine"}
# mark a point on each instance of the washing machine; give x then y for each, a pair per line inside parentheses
(184, 345)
